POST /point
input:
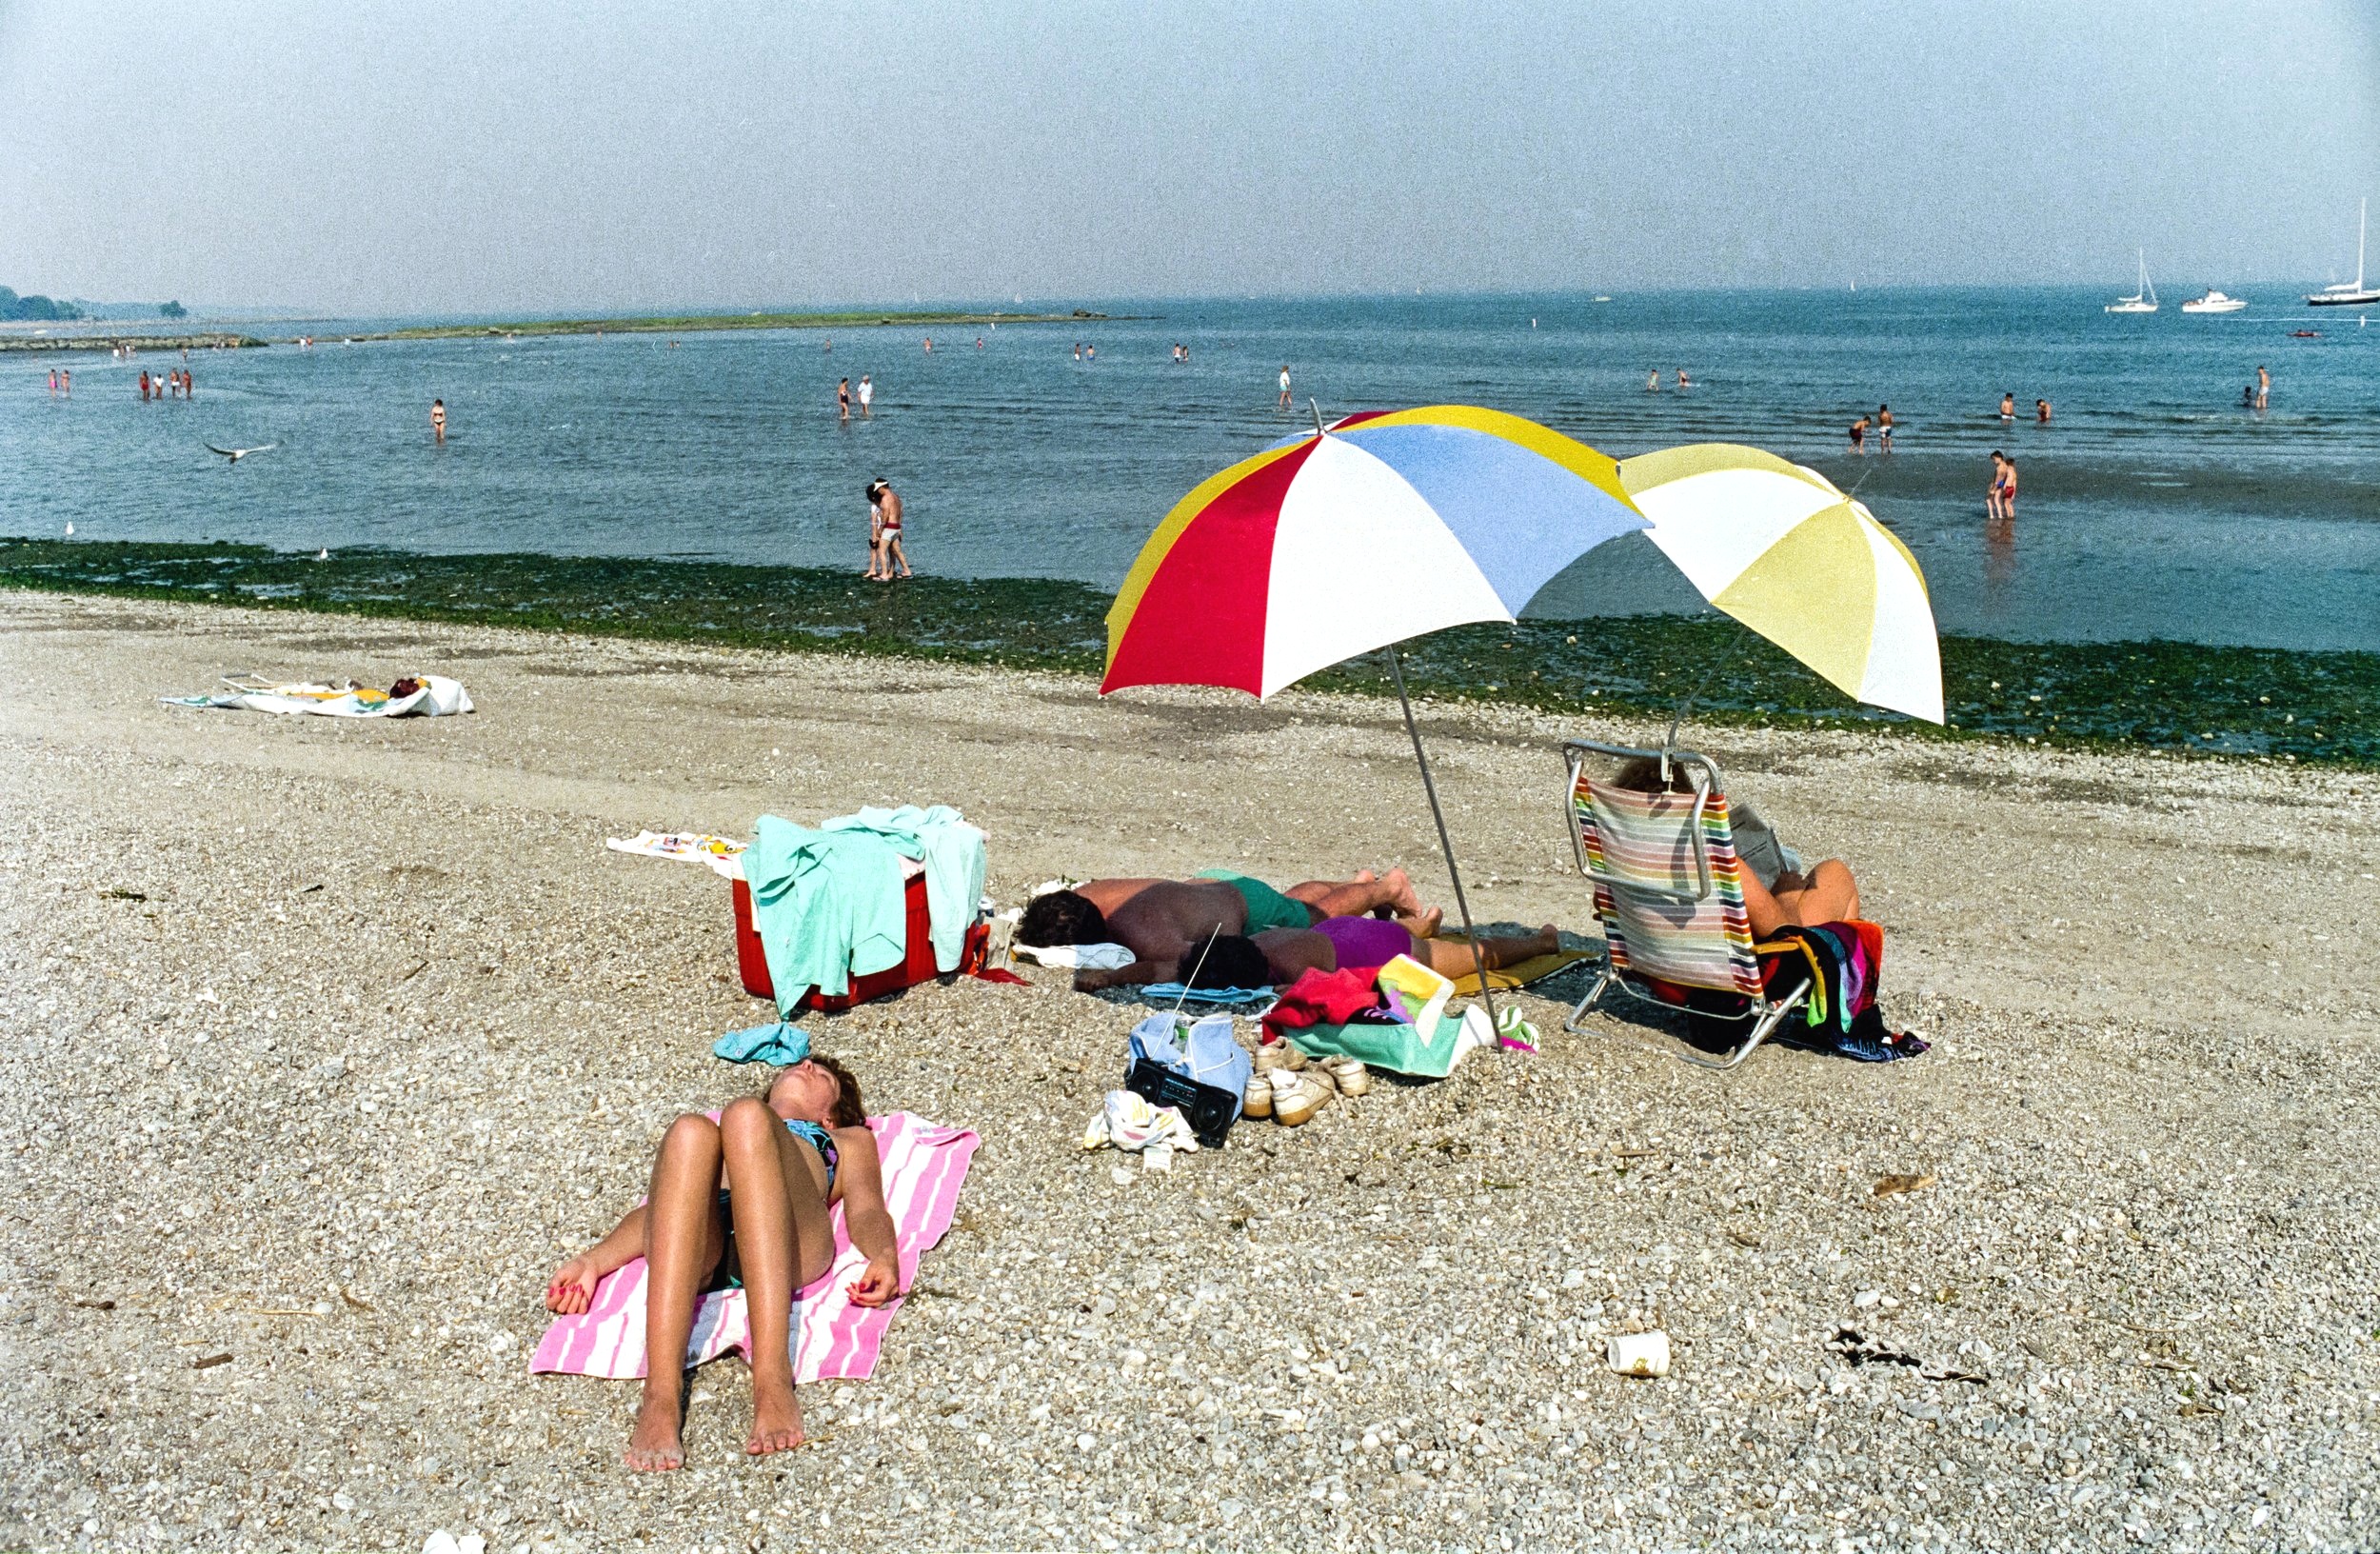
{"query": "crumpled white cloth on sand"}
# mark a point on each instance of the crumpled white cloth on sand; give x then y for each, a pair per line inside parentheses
(1129, 1121)
(1077, 957)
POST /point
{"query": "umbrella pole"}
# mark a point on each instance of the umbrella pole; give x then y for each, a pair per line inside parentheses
(1478, 955)
(1669, 740)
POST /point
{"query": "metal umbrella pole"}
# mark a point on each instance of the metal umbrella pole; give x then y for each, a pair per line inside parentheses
(1479, 954)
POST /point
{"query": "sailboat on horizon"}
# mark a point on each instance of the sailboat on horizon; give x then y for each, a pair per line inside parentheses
(2142, 300)
(2357, 295)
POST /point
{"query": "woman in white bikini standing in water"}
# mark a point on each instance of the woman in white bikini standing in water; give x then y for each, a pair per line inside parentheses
(744, 1199)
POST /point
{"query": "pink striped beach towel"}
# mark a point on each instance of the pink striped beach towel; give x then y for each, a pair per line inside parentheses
(833, 1339)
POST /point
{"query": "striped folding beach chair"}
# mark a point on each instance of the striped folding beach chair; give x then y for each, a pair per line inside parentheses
(1669, 891)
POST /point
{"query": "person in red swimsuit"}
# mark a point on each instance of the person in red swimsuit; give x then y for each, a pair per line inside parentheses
(887, 504)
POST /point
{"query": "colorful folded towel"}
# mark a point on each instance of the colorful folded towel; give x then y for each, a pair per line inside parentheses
(924, 1167)
(1323, 998)
(1843, 964)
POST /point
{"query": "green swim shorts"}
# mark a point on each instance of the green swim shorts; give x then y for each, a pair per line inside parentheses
(1267, 907)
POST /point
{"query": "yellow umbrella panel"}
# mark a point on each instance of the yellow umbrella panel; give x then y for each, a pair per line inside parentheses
(1781, 550)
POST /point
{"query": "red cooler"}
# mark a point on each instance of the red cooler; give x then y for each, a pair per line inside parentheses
(917, 967)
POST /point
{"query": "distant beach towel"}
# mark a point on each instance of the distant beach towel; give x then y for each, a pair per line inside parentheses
(833, 1339)
(721, 855)
(433, 696)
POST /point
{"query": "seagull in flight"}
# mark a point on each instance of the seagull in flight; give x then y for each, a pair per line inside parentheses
(236, 454)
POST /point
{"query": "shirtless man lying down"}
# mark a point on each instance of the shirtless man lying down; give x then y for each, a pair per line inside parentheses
(1167, 922)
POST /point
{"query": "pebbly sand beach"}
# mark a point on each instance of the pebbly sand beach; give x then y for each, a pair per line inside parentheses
(324, 1043)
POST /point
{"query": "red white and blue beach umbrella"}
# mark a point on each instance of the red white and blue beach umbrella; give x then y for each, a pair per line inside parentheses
(1380, 527)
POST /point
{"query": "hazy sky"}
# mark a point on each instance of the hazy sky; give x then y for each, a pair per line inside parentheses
(414, 158)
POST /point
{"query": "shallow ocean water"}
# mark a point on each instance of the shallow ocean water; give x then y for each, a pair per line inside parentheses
(2153, 506)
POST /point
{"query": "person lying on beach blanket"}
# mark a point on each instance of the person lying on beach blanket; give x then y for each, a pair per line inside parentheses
(1823, 893)
(1366, 943)
(744, 1200)
(1277, 957)
(1166, 924)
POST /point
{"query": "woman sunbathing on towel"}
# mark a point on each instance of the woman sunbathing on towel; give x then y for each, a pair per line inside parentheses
(744, 1199)
(1823, 893)
(1278, 957)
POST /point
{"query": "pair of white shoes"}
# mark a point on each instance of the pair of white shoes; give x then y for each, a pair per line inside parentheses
(1293, 1089)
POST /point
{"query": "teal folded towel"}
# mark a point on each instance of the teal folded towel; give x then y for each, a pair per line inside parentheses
(775, 1042)
(1175, 992)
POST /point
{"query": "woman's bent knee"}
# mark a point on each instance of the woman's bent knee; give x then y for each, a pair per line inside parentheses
(748, 1118)
(1832, 891)
(692, 1131)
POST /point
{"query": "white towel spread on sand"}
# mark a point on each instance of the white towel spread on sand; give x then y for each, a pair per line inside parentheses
(436, 698)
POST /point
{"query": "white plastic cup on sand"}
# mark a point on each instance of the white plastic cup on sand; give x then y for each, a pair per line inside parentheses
(1637, 1354)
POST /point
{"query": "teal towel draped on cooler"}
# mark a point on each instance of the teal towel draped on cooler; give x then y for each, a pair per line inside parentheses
(952, 851)
(827, 905)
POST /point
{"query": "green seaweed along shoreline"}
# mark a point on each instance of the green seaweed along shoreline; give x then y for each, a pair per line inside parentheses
(2253, 703)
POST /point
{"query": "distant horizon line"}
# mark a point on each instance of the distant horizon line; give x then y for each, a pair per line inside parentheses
(550, 312)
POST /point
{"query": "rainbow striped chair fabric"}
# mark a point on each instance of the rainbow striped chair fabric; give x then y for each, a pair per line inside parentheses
(1669, 892)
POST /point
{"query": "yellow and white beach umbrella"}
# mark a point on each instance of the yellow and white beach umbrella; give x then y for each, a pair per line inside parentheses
(1781, 550)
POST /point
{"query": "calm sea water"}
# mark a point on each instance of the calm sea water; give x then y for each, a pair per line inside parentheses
(2154, 505)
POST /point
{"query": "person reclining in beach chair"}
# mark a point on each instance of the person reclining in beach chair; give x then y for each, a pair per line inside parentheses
(1701, 906)
(1795, 897)
(1167, 923)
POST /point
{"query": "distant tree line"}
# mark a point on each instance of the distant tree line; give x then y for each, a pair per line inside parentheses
(37, 310)
(41, 310)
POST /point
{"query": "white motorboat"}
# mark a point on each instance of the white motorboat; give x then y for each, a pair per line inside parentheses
(2357, 295)
(2215, 302)
(2142, 300)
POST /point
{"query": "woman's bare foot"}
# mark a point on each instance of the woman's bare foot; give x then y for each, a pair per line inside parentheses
(1425, 926)
(1546, 941)
(776, 1418)
(653, 1445)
